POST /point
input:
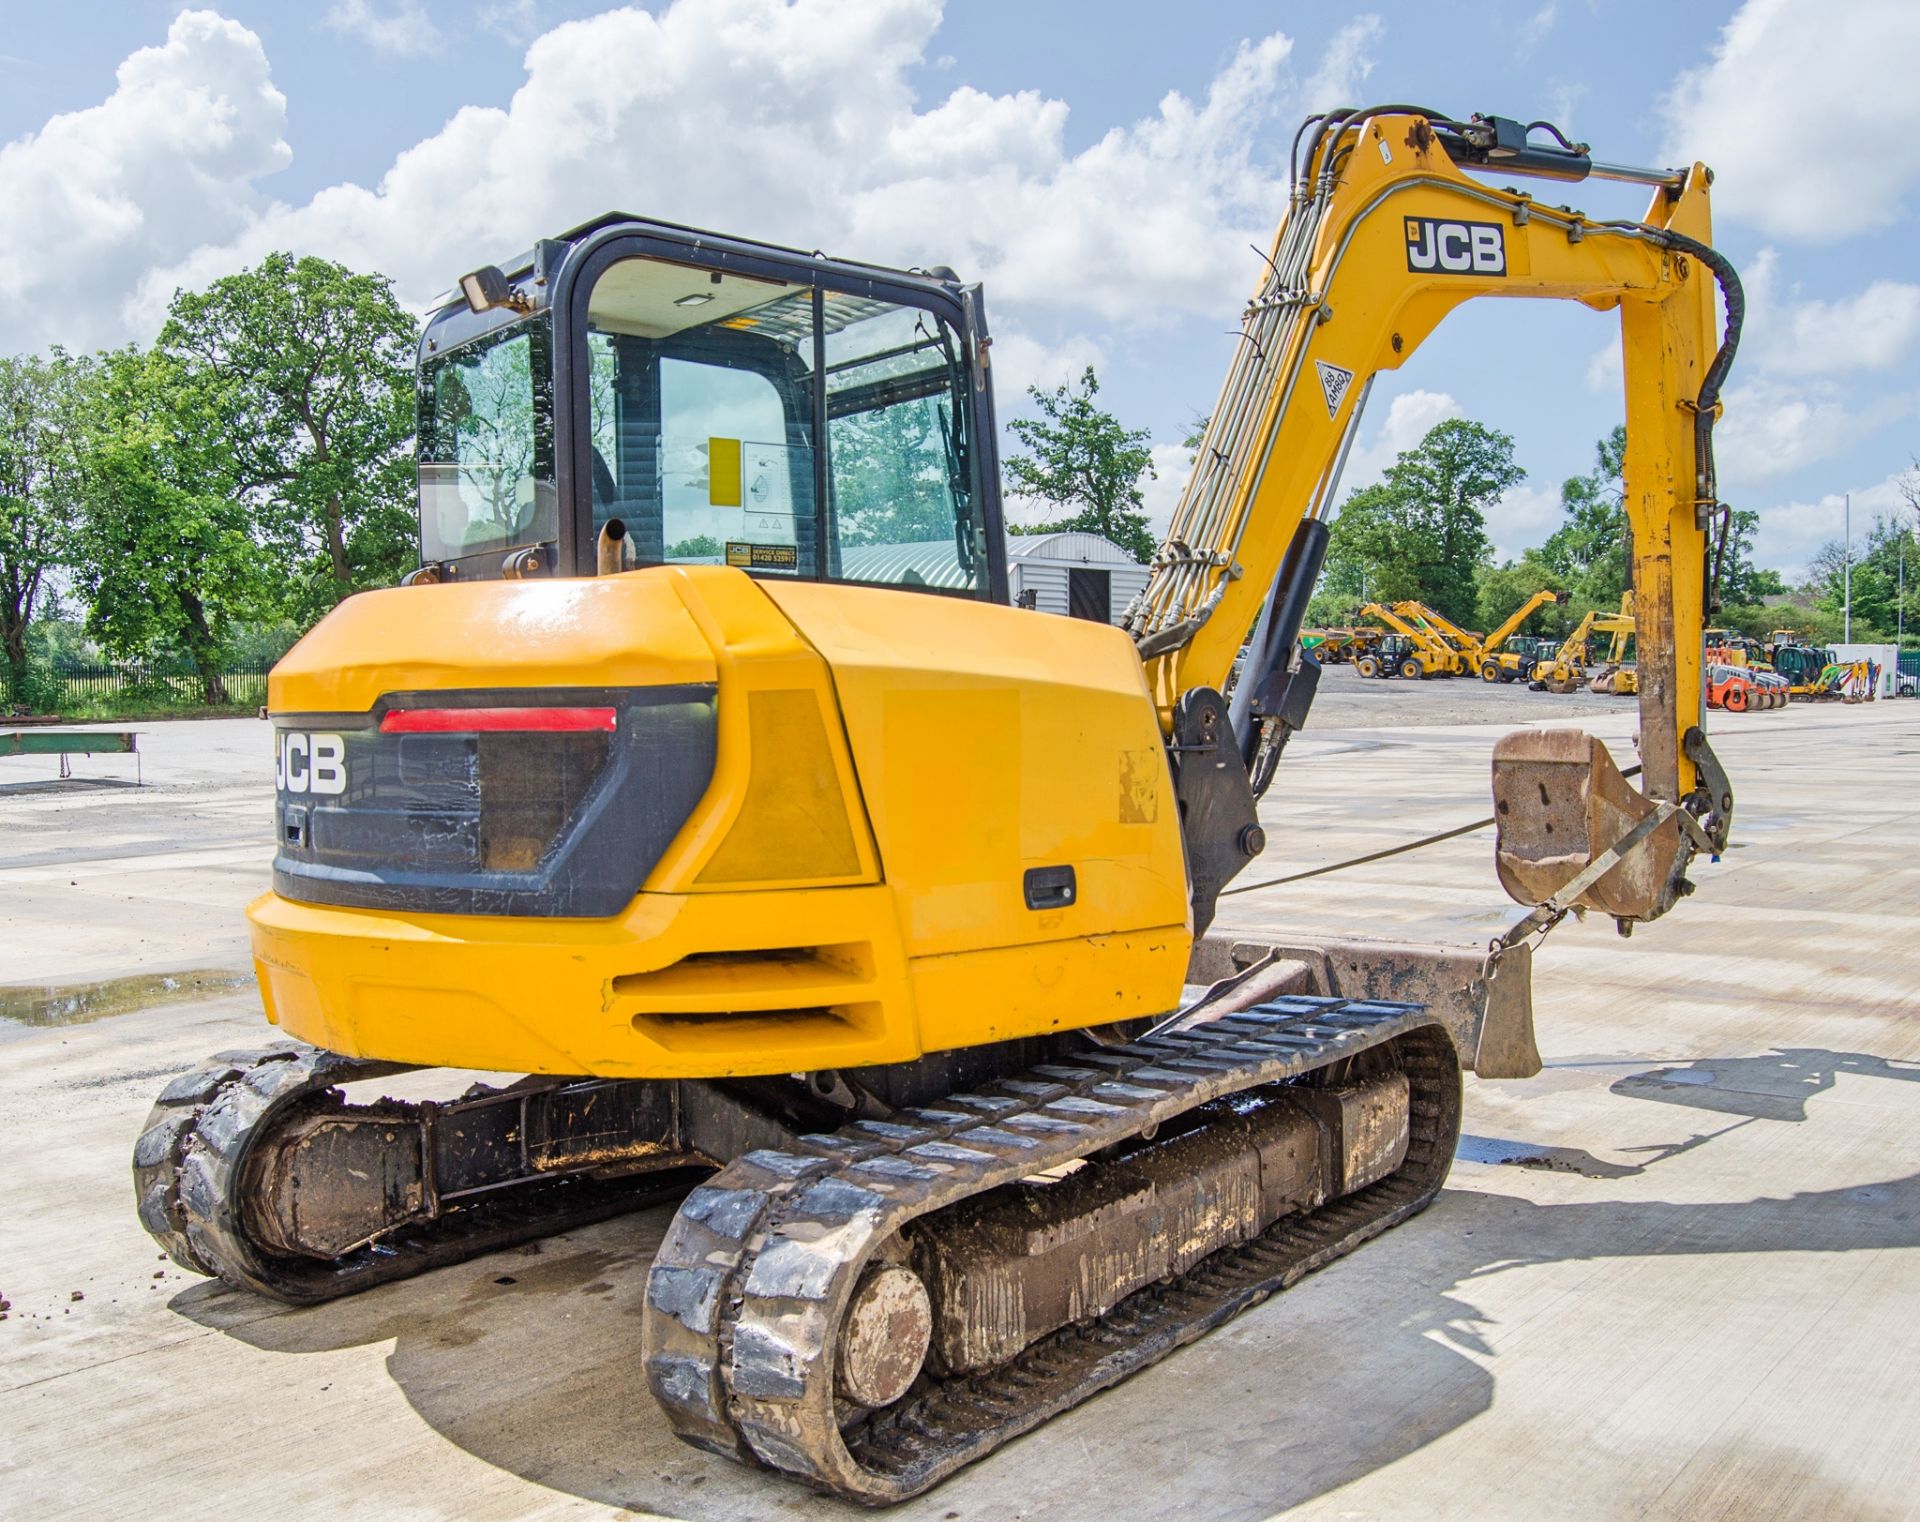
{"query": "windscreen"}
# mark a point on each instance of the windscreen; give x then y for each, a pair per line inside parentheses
(485, 445)
(709, 392)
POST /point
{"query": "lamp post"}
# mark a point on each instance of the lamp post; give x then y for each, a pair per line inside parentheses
(1847, 574)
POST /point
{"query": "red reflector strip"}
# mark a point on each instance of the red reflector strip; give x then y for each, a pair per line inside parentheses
(468, 721)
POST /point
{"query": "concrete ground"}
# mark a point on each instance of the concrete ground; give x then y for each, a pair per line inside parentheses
(1676, 1275)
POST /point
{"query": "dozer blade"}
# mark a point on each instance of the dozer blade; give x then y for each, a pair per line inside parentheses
(1562, 808)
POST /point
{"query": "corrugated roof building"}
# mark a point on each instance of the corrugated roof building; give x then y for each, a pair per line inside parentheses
(1082, 575)
(1069, 573)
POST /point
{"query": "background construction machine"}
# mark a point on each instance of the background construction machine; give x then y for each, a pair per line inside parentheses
(1338, 646)
(1416, 648)
(1615, 673)
(1790, 653)
(1462, 652)
(1568, 668)
(812, 866)
(1504, 655)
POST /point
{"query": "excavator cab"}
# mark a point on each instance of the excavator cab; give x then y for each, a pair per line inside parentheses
(633, 394)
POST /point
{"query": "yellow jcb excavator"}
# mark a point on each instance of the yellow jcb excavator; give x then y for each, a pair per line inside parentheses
(1616, 674)
(704, 776)
(1463, 651)
(1568, 668)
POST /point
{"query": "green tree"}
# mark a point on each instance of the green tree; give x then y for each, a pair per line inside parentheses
(1743, 583)
(39, 489)
(1195, 436)
(1499, 590)
(309, 370)
(1876, 580)
(166, 558)
(1080, 460)
(1592, 549)
(1422, 531)
(1589, 550)
(699, 544)
(890, 477)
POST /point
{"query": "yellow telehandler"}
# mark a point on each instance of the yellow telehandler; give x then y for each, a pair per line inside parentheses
(705, 785)
(1420, 649)
(1496, 662)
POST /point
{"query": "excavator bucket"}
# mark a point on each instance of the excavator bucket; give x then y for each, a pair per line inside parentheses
(1559, 805)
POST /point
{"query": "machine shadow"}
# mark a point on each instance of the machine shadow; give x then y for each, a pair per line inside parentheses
(529, 1359)
(32, 787)
(1772, 1086)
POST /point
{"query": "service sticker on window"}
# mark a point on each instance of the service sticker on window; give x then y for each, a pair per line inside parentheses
(762, 557)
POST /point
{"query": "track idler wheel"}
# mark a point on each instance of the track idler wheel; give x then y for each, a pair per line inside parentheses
(884, 1337)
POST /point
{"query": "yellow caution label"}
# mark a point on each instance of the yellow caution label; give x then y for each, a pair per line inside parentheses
(723, 472)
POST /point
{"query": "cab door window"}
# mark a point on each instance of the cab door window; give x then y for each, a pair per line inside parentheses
(707, 393)
(701, 422)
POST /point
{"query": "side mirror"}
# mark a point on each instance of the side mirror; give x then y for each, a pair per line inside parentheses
(487, 288)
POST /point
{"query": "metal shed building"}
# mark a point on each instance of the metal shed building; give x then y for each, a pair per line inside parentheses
(1073, 573)
(1069, 573)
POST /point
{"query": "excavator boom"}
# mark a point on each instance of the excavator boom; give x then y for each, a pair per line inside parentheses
(1390, 229)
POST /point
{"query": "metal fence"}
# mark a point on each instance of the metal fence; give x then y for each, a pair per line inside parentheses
(62, 685)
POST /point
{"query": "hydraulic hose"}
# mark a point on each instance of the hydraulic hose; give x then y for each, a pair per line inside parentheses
(1707, 485)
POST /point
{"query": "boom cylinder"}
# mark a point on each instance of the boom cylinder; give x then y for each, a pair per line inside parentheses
(1279, 628)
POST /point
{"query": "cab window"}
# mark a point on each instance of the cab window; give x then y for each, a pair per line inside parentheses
(706, 394)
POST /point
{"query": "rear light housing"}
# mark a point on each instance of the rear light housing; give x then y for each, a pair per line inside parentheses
(555, 803)
(475, 721)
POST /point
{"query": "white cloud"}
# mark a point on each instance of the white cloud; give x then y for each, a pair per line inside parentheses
(788, 119)
(1020, 360)
(1791, 533)
(514, 21)
(168, 161)
(407, 31)
(1533, 31)
(1807, 114)
(1413, 415)
(1564, 102)
(1607, 370)
(1344, 66)
(1523, 517)
(1775, 426)
(1172, 464)
(1874, 329)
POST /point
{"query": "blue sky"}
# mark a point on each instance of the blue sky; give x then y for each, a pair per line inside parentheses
(1102, 166)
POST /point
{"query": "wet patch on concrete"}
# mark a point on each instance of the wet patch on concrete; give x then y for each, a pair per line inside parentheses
(49, 1005)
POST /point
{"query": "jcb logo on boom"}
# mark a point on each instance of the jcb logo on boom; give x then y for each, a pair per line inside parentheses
(304, 763)
(1456, 248)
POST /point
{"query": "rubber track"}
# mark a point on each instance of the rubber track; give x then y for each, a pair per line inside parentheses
(755, 1273)
(190, 1177)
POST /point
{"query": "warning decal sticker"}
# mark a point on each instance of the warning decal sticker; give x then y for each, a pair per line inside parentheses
(1334, 382)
